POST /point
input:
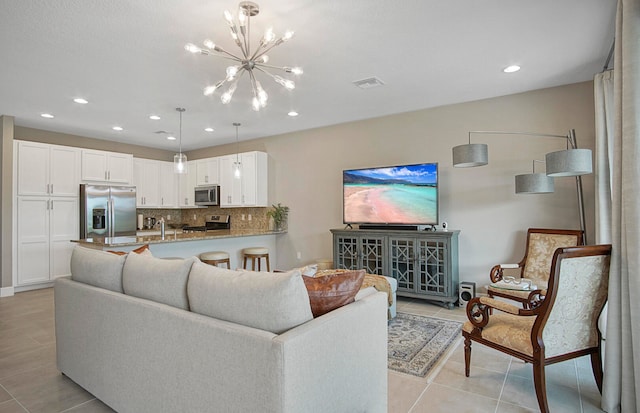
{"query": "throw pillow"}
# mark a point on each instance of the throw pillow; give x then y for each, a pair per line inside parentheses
(97, 268)
(140, 250)
(274, 302)
(157, 279)
(332, 291)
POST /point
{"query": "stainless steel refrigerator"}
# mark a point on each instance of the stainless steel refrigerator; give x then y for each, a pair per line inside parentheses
(107, 211)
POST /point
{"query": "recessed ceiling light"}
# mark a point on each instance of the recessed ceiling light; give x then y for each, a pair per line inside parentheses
(81, 101)
(293, 113)
(171, 138)
(154, 117)
(208, 129)
(47, 115)
(118, 128)
(511, 69)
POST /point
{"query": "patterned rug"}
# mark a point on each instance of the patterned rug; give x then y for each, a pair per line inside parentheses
(417, 342)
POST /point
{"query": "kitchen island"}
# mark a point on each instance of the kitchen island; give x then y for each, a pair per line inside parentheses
(184, 245)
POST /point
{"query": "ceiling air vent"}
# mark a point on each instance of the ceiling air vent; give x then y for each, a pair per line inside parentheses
(368, 83)
(160, 132)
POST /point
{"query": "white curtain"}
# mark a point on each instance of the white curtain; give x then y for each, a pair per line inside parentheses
(618, 162)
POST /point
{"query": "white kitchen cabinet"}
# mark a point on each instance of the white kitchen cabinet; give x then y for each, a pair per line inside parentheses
(110, 167)
(45, 226)
(207, 171)
(186, 186)
(146, 178)
(47, 170)
(168, 186)
(156, 184)
(250, 189)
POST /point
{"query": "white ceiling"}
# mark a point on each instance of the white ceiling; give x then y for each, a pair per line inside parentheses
(127, 58)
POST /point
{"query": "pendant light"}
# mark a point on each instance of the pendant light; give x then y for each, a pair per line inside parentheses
(236, 164)
(180, 159)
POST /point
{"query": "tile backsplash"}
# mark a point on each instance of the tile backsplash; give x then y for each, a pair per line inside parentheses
(241, 218)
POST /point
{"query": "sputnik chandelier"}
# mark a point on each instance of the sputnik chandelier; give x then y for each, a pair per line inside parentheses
(248, 61)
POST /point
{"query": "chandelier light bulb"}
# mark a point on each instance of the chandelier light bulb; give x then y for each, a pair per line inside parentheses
(228, 17)
(226, 96)
(262, 59)
(210, 44)
(288, 35)
(269, 36)
(242, 18)
(255, 104)
(190, 47)
(232, 71)
(295, 70)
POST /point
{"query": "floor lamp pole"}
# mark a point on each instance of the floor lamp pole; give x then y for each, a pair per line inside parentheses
(574, 144)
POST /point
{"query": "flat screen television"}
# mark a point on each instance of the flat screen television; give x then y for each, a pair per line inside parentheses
(391, 195)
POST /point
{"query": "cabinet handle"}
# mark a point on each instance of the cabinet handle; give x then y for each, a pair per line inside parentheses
(105, 175)
(51, 189)
(109, 173)
(186, 201)
(206, 178)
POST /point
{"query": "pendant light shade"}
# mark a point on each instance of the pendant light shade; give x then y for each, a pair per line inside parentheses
(180, 163)
(536, 183)
(180, 159)
(472, 154)
(570, 162)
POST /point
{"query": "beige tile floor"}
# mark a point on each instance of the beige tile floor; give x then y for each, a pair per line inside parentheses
(30, 382)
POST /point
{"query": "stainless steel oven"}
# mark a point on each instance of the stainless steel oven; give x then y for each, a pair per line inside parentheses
(207, 195)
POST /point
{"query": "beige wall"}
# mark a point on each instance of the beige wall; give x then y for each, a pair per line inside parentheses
(306, 172)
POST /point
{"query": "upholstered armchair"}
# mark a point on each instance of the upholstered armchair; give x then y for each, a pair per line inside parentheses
(559, 323)
(535, 265)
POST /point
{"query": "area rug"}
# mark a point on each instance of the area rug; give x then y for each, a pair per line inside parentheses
(416, 342)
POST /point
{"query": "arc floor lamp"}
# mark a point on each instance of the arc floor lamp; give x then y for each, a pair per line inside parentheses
(569, 162)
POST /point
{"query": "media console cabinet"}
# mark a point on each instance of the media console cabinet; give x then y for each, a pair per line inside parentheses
(425, 263)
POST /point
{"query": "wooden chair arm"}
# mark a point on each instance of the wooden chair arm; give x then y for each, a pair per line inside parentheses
(536, 298)
(496, 273)
(479, 310)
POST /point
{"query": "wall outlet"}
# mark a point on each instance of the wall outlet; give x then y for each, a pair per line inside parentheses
(168, 217)
(249, 217)
(242, 217)
(299, 255)
(194, 217)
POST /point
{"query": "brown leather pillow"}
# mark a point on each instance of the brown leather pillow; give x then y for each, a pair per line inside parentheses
(138, 250)
(332, 291)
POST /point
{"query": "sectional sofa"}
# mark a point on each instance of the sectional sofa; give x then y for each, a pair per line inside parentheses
(145, 334)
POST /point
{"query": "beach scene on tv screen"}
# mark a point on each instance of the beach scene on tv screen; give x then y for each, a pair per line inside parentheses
(406, 194)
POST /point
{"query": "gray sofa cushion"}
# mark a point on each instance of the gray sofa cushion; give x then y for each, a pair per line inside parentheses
(98, 268)
(274, 302)
(156, 279)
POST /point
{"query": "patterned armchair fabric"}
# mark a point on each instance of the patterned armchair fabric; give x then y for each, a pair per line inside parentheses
(561, 324)
(536, 264)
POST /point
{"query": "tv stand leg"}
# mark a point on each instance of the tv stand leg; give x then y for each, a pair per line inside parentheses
(348, 226)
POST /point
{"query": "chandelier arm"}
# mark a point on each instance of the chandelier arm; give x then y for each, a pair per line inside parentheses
(266, 49)
(229, 55)
(270, 66)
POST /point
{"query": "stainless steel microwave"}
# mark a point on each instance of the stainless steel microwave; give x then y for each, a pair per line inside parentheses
(207, 195)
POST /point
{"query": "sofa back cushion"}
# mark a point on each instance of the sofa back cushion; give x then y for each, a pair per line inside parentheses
(157, 279)
(274, 302)
(97, 268)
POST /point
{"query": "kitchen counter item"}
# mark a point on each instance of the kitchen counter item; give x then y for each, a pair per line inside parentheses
(149, 223)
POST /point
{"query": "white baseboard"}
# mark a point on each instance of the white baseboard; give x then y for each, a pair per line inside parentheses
(6, 292)
(38, 286)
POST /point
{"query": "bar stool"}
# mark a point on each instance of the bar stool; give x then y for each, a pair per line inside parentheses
(216, 257)
(255, 254)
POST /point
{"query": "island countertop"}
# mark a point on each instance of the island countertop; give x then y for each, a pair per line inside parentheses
(170, 237)
(184, 245)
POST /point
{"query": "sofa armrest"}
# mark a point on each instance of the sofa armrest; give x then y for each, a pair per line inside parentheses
(338, 362)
